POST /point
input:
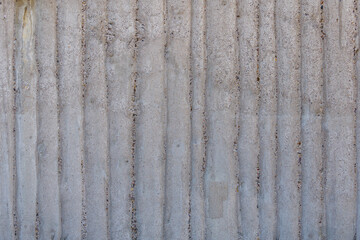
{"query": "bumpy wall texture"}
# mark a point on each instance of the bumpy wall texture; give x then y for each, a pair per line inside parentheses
(179, 119)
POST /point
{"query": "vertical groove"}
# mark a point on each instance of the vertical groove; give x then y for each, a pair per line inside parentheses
(11, 18)
(339, 119)
(133, 128)
(59, 162)
(288, 118)
(26, 118)
(248, 143)
(151, 120)
(7, 152)
(267, 120)
(355, 61)
(221, 107)
(120, 65)
(166, 115)
(82, 107)
(190, 95)
(311, 120)
(69, 42)
(240, 229)
(47, 146)
(178, 155)
(108, 37)
(96, 121)
(198, 125)
(357, 77)
(323, 135)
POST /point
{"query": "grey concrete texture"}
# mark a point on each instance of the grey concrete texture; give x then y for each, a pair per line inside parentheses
(179, 119)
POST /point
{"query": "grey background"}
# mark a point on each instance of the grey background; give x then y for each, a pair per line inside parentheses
(179, 119)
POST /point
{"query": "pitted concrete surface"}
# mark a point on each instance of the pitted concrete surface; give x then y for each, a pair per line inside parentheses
(186, 119)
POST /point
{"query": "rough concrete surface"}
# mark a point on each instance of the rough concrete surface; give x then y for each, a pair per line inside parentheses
(179, 119)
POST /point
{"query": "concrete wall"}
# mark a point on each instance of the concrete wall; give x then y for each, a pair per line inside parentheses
(179, 119)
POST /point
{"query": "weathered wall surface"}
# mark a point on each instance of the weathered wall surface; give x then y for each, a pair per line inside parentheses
(169, 119)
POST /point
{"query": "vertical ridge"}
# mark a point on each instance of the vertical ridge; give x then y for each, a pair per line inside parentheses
(71, 115)
(26, 118)
(151, 120)
(248, 143)
(288, 120)
(267, 120)
(339, 119)
(47, 141)
(198, 125)
(96, 121)
(120, 67)
(221, 106)
(311, 120)
(177, 176)
(7, 153)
